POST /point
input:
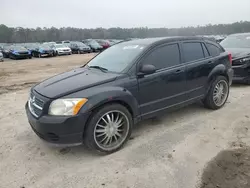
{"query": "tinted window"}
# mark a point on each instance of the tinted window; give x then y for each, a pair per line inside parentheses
(165, 56)
(192, 51)
(205, 50)
(213, 50)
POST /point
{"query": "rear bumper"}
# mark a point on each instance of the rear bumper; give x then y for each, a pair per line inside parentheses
(58, 130)
(241, 72)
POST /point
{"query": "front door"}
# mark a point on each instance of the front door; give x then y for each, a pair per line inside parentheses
(166, 87)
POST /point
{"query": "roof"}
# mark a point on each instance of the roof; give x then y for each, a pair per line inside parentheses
(149, 41)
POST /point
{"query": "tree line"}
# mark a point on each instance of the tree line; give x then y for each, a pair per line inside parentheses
(19, 34)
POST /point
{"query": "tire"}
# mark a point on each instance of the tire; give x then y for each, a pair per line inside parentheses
(91, 138)
(210, 99)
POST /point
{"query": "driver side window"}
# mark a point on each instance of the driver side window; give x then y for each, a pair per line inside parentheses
(164, 56)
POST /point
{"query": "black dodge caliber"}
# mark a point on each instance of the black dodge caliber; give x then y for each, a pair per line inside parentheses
(239, 46)
(99, 103)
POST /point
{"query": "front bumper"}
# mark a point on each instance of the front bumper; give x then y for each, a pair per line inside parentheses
(58, 129)
(241, 72)
(22, 56)
(64, 52)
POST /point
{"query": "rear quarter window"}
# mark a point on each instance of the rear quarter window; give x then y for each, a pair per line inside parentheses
(213, 49)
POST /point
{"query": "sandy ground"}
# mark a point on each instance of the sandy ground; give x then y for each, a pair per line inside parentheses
(183, 149)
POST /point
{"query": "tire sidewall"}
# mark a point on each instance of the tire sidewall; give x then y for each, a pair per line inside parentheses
(90, 127)
(209, 99)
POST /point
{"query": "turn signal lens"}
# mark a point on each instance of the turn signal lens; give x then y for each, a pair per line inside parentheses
(79, 105)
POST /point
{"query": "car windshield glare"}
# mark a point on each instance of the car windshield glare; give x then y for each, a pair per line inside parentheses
(59, 46)
(19, 48)
(118, 57)
(236, 42)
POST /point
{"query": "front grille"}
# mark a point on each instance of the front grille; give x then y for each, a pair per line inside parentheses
(23, 53)
(35, 105)
(65, 50)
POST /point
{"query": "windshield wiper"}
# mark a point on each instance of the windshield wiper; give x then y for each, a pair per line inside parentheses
(100, 68)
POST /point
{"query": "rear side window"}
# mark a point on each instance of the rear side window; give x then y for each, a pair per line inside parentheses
(213, 50)
(192, 51)
(205, 50)
(164, 56)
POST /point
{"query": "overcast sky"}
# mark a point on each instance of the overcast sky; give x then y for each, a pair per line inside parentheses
(121, 13)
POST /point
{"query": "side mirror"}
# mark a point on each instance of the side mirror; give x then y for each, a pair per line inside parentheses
(147, 69)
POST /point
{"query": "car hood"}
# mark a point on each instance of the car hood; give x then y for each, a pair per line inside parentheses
(72, 81)
(238, 52)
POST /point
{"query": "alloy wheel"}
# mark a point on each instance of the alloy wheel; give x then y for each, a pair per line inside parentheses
(220, 93)
(111, 130)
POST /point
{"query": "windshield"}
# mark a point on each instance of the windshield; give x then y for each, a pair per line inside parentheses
(93, 42)
(45, 47)
(59, 46)
(241, 41)
(79, 44)
(19, 48)
(117, 58)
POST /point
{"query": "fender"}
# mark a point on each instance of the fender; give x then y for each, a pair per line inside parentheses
(218, 70)
(109, 94)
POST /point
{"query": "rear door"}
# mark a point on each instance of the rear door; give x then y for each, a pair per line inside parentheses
(166, 87)
(198, 66)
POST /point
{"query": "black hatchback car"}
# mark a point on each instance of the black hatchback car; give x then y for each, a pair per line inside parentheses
(239, 46)
(99, 103)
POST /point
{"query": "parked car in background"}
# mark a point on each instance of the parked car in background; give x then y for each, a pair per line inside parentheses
(98, 104)
(6, 51)
(79, 47)
(43, 50)
(19, 52)
(104, 43)
(114, 41)
(239, 46)
(95, 46)
(1, 56)
(66, 42)
(61, 49)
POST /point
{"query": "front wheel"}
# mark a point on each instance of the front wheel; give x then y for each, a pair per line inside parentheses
(108, 129)
(217, 94)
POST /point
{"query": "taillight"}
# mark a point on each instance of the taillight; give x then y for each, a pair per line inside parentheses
(230, 58)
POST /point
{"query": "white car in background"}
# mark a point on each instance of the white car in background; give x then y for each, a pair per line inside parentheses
(1, 56)
(61, 49)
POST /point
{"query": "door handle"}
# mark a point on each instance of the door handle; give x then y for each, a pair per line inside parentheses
(178, 71)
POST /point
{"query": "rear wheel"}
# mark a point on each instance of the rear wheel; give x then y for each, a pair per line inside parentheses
(108, 129)
(217, 94)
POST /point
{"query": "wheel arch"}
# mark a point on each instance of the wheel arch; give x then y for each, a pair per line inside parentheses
(219, 70)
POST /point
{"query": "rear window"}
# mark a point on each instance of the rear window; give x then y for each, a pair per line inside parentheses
(192, 51)
(213, 50)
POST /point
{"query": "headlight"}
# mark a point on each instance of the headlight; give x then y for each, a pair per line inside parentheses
(66, 107)
(245, 59)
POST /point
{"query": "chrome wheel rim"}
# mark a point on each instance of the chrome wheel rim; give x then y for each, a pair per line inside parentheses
(111, 130)
(220, 93)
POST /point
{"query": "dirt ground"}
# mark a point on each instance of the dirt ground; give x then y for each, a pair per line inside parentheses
(191, 147)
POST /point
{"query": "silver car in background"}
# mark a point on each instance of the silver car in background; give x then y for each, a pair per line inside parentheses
(1, 56)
